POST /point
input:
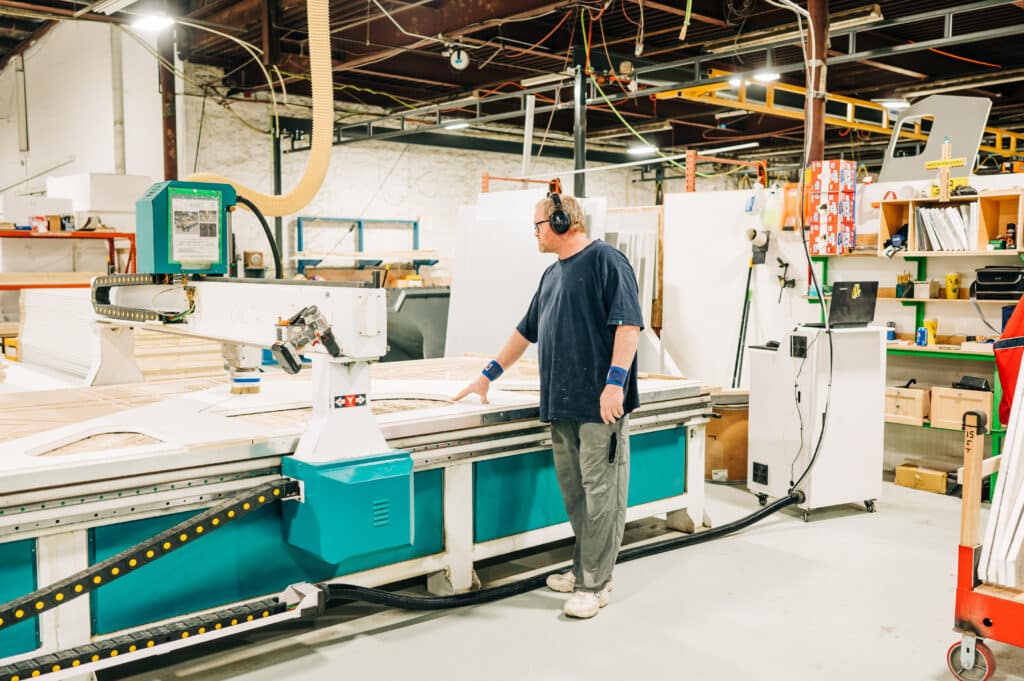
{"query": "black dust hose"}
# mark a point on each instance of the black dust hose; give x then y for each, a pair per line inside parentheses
(278, 273)
(351, 592)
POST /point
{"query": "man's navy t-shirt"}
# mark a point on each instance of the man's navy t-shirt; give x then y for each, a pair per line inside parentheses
(573, 316)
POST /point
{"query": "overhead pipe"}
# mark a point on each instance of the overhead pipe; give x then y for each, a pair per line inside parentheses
(318, 13)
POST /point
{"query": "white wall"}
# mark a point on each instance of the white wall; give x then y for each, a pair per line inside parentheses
(70, 108)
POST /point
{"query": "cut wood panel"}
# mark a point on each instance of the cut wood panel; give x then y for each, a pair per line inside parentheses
(42, 279)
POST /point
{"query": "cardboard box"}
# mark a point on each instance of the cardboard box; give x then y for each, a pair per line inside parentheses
(918, 477)
(909, 406)
(833, 176)
(725, 450)
(832, 223)
(949, 405)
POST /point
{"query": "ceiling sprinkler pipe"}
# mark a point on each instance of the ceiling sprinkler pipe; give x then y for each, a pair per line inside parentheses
(323, 124)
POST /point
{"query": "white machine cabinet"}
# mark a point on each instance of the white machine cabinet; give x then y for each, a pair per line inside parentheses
(788, 391)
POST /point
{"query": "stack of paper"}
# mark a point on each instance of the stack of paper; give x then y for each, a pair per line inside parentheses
(947, 228)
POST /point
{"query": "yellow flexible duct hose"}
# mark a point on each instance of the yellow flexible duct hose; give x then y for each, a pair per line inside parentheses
(318, 21)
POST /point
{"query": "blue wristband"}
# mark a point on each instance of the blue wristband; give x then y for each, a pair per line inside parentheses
(493, 371)
(616, 376)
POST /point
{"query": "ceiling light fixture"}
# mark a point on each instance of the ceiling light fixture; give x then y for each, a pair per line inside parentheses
(460, 125)
(152, 23)
(733, 147)
(732, 113)
(642, 150)
(893, 103)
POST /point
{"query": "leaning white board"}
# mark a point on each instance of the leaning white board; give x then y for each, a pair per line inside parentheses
(497, 268)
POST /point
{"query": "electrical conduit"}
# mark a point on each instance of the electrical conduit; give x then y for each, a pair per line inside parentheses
(318, 20)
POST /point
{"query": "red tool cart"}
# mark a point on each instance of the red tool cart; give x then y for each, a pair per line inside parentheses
(982, 610)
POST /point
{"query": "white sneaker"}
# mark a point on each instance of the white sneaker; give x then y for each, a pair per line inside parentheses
(563, 582)
(586, 604)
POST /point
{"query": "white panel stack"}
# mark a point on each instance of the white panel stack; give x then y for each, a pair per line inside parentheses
(21, 209)
(1000, 561)
(101, 195)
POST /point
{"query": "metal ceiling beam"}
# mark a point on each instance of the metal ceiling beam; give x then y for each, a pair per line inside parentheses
(680, 12)
(46, 12)
(300, 131)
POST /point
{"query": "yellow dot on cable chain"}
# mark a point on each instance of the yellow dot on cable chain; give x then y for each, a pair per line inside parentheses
(231, 514)
(215, 521)
(1, 621)
(133, 563)
(249, 618)
(167, 545)
(277, 492)
(184, 634)
(115, 571)
(59, 597)
(97, 579)
(55, 668)
(15, 678)
(202, 630)
(113, 653)
(200, 530)
(95, 658)
(76, 663)
(234, 622)
(218, 625)
(183, 537)
(246, 506)
(266, 613)
(262, 498)
(150, 554)
(150, 644)
(35, 673)
(132, 648)
(19, 613)
(40, 605)
(78, 588)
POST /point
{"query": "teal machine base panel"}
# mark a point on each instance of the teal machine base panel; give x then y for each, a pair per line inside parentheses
(517, 494)
(17, 578)
(247, 559)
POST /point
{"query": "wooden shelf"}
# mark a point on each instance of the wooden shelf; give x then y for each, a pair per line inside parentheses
(927, 424)
(995, 210)
(947, 351)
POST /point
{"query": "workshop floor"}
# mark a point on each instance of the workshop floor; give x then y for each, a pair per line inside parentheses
(847, 596)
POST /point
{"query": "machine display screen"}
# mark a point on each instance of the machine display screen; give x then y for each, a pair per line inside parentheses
(195, 225)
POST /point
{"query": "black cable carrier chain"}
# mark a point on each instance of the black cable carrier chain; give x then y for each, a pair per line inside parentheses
(126, 562)
(101, 296)
(126, 644)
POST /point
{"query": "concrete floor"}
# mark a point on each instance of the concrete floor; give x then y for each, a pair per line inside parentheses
(847, 596)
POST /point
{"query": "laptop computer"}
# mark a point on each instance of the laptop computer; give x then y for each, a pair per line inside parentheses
(853, 304)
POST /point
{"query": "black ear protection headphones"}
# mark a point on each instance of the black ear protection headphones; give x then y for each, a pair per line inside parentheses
(560, 220)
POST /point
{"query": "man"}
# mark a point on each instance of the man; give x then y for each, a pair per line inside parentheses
(586, 319)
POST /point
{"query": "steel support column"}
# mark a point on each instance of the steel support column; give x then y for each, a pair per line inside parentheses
(165, 45)
(278, 224)
(816, 100)
(579, 133)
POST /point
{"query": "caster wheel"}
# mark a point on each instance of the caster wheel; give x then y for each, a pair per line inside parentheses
(805, 516)
(984, 663)
(762, 499)
(870, 505)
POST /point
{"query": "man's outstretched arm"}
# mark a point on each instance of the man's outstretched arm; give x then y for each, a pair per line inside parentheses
(514, 348)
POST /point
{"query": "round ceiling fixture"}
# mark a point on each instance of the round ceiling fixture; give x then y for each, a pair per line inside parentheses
(459, 59)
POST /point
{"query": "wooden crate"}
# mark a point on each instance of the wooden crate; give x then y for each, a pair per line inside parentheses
(918, 477)
(909, 406)
(725, 448)
(949, 405)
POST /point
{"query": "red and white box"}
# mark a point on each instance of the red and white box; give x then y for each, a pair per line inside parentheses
(831, 177)
(832, 223)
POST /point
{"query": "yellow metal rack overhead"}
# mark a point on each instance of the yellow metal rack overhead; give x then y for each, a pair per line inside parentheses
(787, 101)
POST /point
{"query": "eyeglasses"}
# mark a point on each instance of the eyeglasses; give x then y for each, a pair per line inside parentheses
(536, 226)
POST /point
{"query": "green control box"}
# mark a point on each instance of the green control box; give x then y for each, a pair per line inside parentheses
(184, 227)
